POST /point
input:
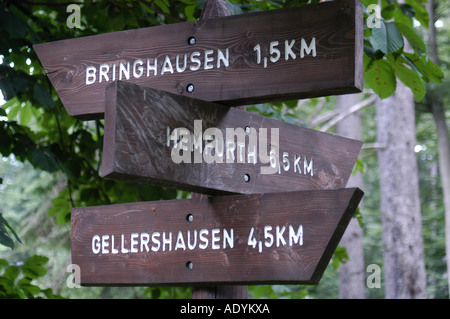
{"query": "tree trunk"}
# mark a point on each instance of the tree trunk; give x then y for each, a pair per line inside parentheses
(404, 266)
(442, 132)
(351, 274)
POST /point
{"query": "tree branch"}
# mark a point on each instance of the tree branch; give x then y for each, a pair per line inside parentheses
(342, 115)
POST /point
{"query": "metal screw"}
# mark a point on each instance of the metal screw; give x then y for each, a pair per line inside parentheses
(247, 129)
(190, 88)
(246, 178)
(192, 41)
(189, 265)
(190, 218)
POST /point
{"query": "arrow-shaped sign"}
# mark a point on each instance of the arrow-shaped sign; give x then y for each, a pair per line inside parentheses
(313, 50)
(175, 141)
(249, 239)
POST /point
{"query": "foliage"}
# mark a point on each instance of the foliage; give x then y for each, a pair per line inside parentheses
(5, 238)
(16, 281)
(386, 55)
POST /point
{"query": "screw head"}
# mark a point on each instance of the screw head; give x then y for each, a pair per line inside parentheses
(247, 129)
(190, 218)
(192, 41)
(189, 265)
(246, 178)
(190, 88)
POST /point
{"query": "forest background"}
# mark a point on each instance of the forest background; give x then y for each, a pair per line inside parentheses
(50, 162)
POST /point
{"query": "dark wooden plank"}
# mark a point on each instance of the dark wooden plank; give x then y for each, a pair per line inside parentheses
(236, 70)
(295, 235)
(136, 147)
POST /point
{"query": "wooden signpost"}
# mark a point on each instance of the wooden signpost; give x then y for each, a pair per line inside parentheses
(166, 94)
(291, 53)
(274, 238)
(175, 141)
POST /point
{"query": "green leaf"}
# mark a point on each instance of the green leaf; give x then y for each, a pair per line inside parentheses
(410, 78)
(5, 238)
(43, 96)
(380, 77)
(340, 256)
(430, 71)
(34, 266)
(189, 12)
(61, 207)
(13, 111)
(421, 13)
(25, 114)
(413, 38)
(387, 38)
(26, 286)
(11, 273)
(13, 24)
(44, 159)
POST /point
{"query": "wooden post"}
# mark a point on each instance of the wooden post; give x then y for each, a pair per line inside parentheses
(216, 9)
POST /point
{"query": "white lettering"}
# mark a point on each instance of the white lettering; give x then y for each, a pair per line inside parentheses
(208, 59)
(194, 59)
(153, 67)
(224, 58)
(268, 236)
(123, 250)
(193, 245)
(181, 70)
(90, 75)
(296, 164)
(96, 244)
(167, 241)
(215, 238)
(140, 68)
(288, 52)
(104, 69)
(124, 71)
(274, 52)
(180, 242)
(167, 66)
(156, 241)
(308, 167)
(309, 49)
(113, 249)
(203, 239)
(279, 235)
(134, 242)
(228, 238)
(145, 238)
(105, 244)
(295, 238)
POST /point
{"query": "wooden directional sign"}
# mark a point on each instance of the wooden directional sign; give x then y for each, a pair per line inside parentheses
(249, 239)
(175, 141)
(313, 50)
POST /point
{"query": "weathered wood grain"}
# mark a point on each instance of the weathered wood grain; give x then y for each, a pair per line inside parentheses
(323, 215)
(135, 147)
(336, 69)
